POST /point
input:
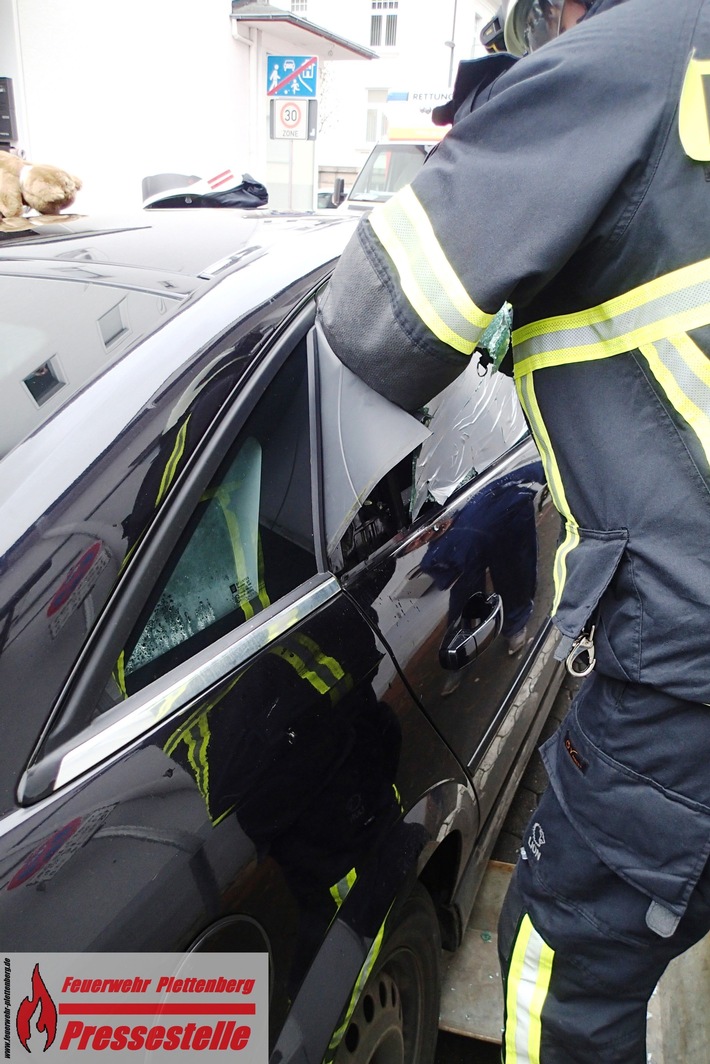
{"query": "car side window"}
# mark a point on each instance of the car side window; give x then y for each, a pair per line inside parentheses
(248, 542)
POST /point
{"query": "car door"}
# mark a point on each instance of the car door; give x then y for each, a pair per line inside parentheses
(451, 552)
(230, 765)
(224, 709)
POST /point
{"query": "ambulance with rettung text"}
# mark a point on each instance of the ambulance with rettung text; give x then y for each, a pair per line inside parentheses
(394, 161)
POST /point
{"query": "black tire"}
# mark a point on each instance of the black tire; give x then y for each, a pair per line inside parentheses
(397, 1016)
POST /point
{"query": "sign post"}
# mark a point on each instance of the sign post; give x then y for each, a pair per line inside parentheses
(291, 82)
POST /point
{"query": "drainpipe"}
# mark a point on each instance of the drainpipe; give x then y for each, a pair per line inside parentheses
(253, 43)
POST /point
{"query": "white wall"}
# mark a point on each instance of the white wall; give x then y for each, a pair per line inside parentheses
(116, 92)
(421, 59)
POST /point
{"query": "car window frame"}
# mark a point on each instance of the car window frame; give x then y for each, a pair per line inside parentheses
(71, 743)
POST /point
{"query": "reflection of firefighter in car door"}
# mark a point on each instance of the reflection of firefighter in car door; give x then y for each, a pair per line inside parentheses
(575, 187)
(298, 748)
(493, 535)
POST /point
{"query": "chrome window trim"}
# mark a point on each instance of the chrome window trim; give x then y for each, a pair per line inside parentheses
(149, 707)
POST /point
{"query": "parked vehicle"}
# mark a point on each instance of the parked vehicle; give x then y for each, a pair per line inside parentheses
(273, 653)
(395, 160)
(324, 199)
(389, 167)
(224, 189)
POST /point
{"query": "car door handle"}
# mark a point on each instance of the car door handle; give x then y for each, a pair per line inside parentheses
(466, 639)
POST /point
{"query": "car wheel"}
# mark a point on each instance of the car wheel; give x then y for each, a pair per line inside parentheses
(397, 1015)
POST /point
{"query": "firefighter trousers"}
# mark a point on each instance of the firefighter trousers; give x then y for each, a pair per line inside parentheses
(580, 950)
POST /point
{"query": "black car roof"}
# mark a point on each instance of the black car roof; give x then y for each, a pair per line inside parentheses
(190, 242)
(77, 294)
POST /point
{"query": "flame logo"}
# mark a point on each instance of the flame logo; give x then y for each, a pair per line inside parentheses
(46, 1021)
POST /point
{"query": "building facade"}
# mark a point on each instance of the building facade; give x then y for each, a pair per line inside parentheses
(145, 87)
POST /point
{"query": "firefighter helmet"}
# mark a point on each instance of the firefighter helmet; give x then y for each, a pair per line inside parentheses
(528, 24)
(491, 35)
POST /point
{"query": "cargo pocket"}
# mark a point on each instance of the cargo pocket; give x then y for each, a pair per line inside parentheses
(653, 838)
(585, 564)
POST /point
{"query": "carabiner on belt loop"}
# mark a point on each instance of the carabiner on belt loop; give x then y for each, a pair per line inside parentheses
(583, 644)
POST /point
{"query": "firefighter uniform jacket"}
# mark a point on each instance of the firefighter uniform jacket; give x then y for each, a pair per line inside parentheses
(588, 208)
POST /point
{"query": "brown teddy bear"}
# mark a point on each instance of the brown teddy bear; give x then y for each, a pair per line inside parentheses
(44, 188)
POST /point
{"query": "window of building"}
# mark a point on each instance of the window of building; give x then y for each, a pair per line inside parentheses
(299, 7)
(390, 31)
(44, 381)
(383, 23)
(113, 325)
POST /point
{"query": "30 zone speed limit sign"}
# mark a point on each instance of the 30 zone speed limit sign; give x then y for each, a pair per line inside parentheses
(289, 120)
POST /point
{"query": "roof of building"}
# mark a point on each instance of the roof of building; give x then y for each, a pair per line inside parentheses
(305, 34)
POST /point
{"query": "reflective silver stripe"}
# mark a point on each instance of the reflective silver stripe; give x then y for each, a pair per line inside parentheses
(427, 278)
(145, 709)
(667, 306)
(527, 986)
(683, 372)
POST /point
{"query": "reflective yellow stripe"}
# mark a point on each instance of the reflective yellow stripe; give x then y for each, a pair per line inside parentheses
(683, 372)
(121, 673)
(172, 462)
(433, 254)
(323, 672)
(527, 988)
(223, 495)
(329, 663)
(428, 280)
(263, 594)
(195, 734)
(197, 754)
(301, 668)
(340, 890)
(235, 538)
(360, 982)
(528, 399)
(666, 306)
(693, 124)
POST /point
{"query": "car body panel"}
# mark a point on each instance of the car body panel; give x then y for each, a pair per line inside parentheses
(275, 782)
(495, 536)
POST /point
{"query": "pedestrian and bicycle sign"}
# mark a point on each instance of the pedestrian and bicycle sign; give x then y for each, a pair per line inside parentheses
(292, 76)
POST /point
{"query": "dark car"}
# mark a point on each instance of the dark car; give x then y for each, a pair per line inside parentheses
(273, 653)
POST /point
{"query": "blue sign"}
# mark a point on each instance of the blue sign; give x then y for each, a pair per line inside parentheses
(292, 76)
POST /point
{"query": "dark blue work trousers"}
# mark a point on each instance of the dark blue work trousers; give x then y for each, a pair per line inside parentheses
(613, 880)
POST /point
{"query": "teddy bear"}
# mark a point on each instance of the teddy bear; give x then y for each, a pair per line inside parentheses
(43, 188)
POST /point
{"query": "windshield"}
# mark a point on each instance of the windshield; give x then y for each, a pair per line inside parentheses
(389, 168)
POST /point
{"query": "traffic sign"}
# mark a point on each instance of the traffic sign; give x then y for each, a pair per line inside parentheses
(289, 120)
(292, 76)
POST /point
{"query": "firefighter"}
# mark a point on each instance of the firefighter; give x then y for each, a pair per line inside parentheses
(577, 187)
